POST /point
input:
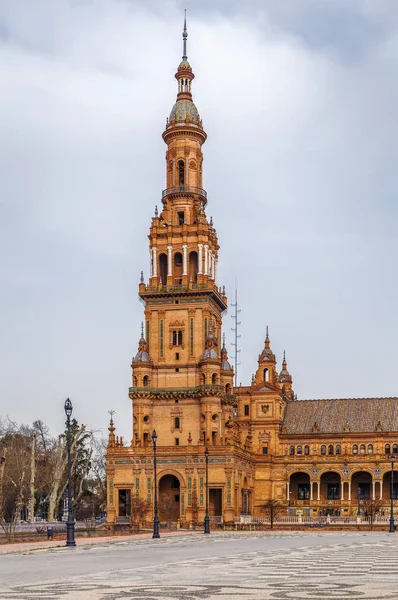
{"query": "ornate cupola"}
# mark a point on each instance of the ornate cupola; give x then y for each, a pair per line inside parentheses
(142, 363)
(285, 379)
(184, 111)
(211, 345)
(266, 371)
(227, 372)
(225, 365)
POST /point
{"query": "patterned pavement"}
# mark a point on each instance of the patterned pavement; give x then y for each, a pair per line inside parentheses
(356, 567)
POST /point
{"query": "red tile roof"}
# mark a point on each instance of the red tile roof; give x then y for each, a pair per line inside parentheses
(336, 416)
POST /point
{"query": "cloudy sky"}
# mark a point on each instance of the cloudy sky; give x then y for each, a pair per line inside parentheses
(299, 99)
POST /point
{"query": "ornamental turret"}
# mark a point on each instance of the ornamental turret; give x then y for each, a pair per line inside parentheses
(142, 363)
(285, 379)
(266, 371)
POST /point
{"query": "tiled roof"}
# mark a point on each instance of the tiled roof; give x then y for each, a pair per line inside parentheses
(336, 416)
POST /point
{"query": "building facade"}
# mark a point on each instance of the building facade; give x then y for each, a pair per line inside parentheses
(314, 456)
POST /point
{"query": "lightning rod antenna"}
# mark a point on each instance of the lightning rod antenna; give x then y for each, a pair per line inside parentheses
(235, 329)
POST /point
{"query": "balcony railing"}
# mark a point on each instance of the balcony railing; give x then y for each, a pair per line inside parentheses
(207, 388)
(183, 289)
(184, 189)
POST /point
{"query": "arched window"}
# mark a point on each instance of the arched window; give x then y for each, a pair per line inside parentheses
(299, 449)
(266, 375)
(291, 451)
(203, 379)
(395, 449)
(193, 267)
(214, 379)
(387, 448)
(181, 172)
(145, 381)
(177, 337)
(177, 423)
(228, 388)
(362, 449)
(177, 273)
(370, 448)
(338, 449)
(306, 450)
(163, 268)
(323, 449)
(355, 449)
(330, 449)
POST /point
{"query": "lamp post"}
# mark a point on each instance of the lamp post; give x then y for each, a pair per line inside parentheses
(70, 523)
(207, 518)
(155, 500)
(392, 523)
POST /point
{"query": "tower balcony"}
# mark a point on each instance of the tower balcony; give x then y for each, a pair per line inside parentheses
(184, 190)
(189, 289)
(180, 392)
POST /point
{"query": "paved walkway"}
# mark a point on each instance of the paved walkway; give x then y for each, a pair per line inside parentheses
(20, 547)
(221, 566)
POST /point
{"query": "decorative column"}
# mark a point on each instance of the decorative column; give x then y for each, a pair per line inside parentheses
(185, 259)
(169, 261)
(215, 270)
(381, 489)
(200, 259)
(150, 263)
(288, 491)
(373, 489)
(342, 490)
(154, 262)
(311, 490)
(319, 490)
(186, 170)
(349, 490)
(206, 259)
(210, 259)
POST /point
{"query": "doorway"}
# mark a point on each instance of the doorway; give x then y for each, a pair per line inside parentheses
(215, 502)
(124, 503)
(169, 498)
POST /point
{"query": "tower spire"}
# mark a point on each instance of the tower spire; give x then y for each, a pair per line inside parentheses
(184, 38)
(142, 330)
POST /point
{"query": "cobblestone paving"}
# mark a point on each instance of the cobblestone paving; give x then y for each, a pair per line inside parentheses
(354, 568)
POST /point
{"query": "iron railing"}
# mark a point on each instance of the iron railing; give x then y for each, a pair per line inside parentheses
(180, 390)
(188, 189)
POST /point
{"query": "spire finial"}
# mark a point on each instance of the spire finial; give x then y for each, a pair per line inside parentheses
(266, 335)
(142, 330)
(223, 341)
(184, 38)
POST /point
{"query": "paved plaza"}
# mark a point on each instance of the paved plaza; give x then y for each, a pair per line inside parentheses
(256, 566)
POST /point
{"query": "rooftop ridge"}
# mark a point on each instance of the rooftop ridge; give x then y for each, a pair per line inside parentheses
(354, 398)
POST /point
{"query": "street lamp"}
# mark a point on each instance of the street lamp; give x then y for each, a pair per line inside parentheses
(207, 518)
(392, 524)
(70, 523)
(155, 502)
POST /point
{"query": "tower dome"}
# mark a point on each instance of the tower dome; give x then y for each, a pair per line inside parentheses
(184, 111)
(267, 353)
(142, 354)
